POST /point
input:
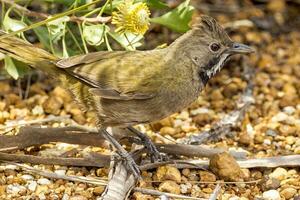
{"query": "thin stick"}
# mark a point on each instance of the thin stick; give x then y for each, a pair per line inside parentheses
(215, 193)
(35, 121)
(158, 193)
(40, 15)
(91, 180)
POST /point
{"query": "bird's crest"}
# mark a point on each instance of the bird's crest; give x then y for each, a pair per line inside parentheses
(209, 26)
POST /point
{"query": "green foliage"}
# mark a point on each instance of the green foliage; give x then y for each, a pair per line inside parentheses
(15, 68)
(94, 34)
(65, 37)
(177, 19)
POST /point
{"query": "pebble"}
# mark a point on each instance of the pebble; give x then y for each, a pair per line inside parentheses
(65, 197)
(168, 173)
(44, 181)
(207, 176)
(279, 173)
(60, 172)
(271, 195)
(185, 188)
(13, 189)
(169, 186)
(270, 183)
(226, 167)
(289, 110)
(98, 190)
(32, 185)
(288, 193)
(245, 139)
(167, 131)
(27, 177)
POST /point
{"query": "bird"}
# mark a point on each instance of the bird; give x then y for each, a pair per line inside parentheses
(126, 88)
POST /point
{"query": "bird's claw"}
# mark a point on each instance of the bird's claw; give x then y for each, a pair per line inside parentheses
(155, 155)
(131, 165)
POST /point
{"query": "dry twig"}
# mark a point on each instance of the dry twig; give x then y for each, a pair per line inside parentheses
(40, 15)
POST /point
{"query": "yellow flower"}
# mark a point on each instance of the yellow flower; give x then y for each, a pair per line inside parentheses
(131, 17)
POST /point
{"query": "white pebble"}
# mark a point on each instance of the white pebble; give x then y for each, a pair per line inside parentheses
(42, 196)
(27, 177)
(267, 142)
(271, 195)
(289, 110)
(60, 172)
(32, 186)
(279, 173)
(13, 189)
(279, 117)
(234, 198)
(44, 181)
(65, 197)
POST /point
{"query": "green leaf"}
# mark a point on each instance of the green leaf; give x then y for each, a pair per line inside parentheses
(156, 4)
(177, 19)
(94, 34)
(15, 68)
(12, 25)
(129, 41)
(66, 2)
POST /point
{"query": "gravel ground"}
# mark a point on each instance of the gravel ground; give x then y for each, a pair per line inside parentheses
(271, 125)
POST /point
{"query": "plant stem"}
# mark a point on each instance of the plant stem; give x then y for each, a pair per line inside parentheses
(35, 25)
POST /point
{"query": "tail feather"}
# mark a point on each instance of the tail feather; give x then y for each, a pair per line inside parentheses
(27, 53)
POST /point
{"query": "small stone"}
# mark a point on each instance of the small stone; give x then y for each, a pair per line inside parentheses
(269, 183)
(32, 186)
(202, 119)
(271, 195)
(14, 189)
(206, 176)
(287, 130)
(297, 150)
(41, 189)
(65, 197)
(2, 189)
(297, 197)
(290, 140)
(186, 172)
(27, 177)
(169, 186)
(279, 173)
(185, 188)
(52, 105)
(78, 115)
(78, 197)
(245, 139)
(167, 131)
(289, 110)
(44, 181)
(98, 190)
(168, 173)
(140, 196)
(288, 193)
(60, 172)
(226, 167)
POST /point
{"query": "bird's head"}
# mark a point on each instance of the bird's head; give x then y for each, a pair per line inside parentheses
(209, 47)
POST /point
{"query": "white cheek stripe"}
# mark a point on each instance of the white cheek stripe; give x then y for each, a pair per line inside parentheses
(218, 66)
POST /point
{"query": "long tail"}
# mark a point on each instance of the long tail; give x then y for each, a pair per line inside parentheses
(29, 54)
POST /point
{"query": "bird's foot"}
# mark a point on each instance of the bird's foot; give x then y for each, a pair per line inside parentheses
(155, 155)
(130, 164)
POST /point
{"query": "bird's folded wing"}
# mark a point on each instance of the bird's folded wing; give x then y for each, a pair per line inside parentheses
(113, 75)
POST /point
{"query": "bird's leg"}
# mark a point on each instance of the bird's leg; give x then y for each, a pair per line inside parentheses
(155, 155)
(122, 153)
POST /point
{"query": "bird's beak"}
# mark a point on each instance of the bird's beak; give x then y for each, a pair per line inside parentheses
(238, 48)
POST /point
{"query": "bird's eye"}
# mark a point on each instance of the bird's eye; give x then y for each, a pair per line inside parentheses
(214, 47)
